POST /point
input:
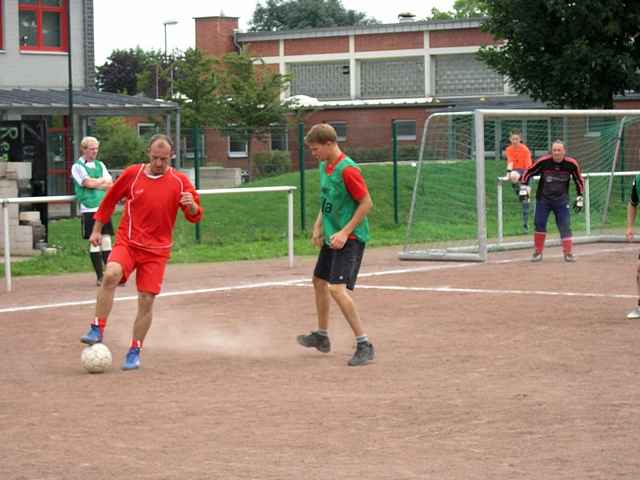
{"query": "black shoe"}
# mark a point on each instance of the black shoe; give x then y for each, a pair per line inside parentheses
(364, 354)
(315, 340)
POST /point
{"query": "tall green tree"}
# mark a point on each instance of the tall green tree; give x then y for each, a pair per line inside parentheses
(248, 98)
(461, 9)
(566, 53)
(276, 15)
(119, 74)
(195, 87)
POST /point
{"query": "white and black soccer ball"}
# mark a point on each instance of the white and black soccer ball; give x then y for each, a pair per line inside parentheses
(96, 358)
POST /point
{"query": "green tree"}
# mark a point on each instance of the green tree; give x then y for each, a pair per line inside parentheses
(276, 15)
(461, 9)
(195, 86)
(119, 143)
(248, 99)
(566, 53)
(119, 74)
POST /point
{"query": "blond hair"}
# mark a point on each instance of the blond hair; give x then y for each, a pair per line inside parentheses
(321, 133)
(84, 143)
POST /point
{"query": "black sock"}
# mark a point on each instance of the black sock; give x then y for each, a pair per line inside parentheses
(105, 256)
(96, 260)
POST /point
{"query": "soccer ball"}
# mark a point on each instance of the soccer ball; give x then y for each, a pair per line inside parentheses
(96, 358)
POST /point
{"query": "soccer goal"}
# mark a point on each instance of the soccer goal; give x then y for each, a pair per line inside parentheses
(463, 206)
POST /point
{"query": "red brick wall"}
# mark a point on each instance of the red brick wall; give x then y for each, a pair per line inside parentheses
(263, 49)
(470, 37)
(389, 41)
(307, 46)
(214, 35)
(366, 129)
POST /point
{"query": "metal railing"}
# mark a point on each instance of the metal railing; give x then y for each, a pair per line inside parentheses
(5, 202)
(587, 198)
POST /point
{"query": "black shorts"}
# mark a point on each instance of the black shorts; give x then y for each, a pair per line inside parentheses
(340, 266)
(87, 225)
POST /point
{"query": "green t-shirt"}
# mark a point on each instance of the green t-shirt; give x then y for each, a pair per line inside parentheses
(337, 205)
(89, 197)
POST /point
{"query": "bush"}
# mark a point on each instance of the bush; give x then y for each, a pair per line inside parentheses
(269, 164)
(384, 154)
(120, 145)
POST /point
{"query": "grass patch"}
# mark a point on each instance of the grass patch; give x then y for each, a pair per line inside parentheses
(253, 226)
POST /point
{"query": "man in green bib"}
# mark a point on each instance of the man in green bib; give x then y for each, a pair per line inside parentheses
(90, 180)
(341, 231)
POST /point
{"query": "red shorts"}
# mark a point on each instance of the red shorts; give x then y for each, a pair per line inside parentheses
(149, 266)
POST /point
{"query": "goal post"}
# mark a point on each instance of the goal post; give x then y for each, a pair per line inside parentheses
(462, 205)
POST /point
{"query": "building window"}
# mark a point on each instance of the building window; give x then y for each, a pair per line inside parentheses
(597, 125)
(341, 130)
(405, 129)
(43, 25)
(392, 78)
(463, 75)
(279, 138)
(238, 145)
(147, 130)
(322, 80)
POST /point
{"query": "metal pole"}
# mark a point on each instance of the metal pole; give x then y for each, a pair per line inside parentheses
(178, 140)
(500, 219)
(587, 206)
(301, 168)
(7, 246)
(290, 226)
(480, 184)
(196, 167)
(394, 153)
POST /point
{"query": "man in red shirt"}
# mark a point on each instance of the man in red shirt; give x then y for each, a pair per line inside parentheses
(153, 193)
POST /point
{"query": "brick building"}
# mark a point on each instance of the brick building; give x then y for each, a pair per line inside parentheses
(365, 78)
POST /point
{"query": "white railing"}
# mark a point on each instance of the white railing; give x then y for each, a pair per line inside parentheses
(587, 198)
(5, 202)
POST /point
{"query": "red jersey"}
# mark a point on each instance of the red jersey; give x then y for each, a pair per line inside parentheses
(151, 207)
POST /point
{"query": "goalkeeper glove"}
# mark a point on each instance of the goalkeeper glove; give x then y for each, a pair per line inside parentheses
(578, 205)
(523, 194)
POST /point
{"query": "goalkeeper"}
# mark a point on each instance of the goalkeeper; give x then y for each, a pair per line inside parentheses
(518, 158)
(552, 195)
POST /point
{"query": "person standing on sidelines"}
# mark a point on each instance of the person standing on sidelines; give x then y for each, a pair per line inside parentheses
(341, 231)
(632, 211)
(153, 192)
(518, 158)
(552, 195)
(90, 180)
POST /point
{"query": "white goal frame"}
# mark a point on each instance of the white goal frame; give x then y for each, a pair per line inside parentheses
(479, 252)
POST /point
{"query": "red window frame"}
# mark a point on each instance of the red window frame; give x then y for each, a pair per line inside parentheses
(39, 8)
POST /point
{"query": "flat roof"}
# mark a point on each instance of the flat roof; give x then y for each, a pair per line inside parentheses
(87, 102)
(418, 26)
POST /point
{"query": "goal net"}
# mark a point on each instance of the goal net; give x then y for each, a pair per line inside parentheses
(463, 206)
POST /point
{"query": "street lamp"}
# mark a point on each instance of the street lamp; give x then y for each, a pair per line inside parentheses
(168, 22)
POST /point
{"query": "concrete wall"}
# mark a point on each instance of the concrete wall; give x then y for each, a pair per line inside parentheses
(40, 69)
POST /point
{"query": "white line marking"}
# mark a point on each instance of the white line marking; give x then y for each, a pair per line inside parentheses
(497, 292)
(166, 294)
(305, 283)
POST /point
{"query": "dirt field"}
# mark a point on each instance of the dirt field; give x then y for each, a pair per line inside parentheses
(504, 370)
